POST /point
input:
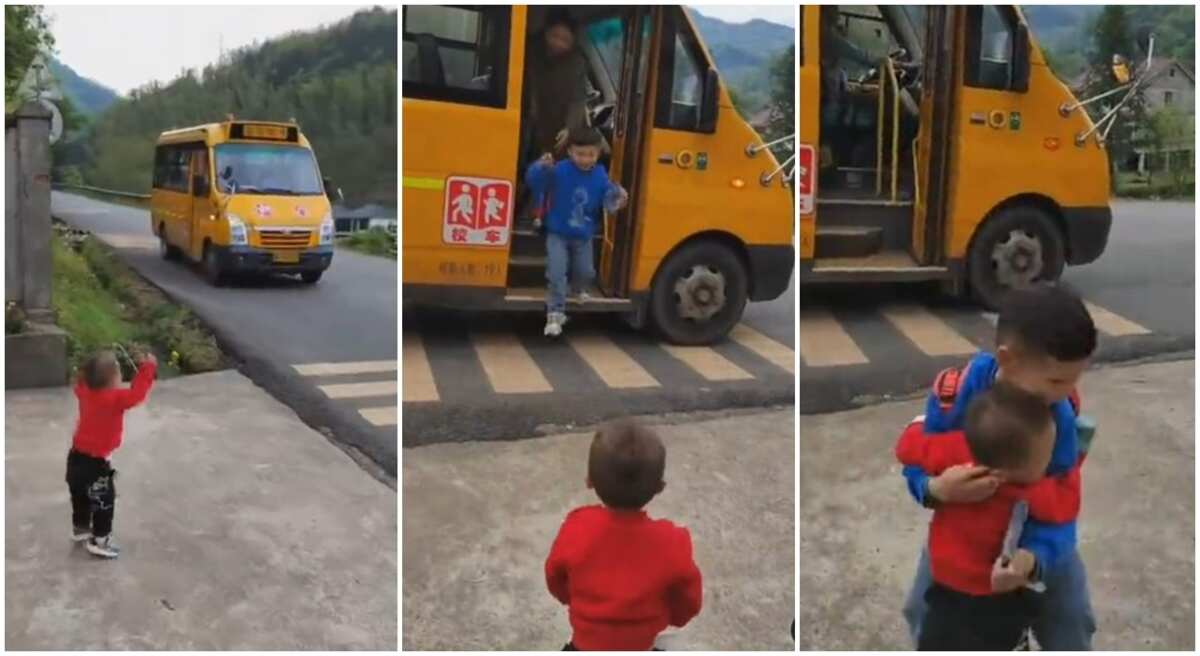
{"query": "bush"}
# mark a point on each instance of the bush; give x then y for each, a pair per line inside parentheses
(375, 241)
(14, 319)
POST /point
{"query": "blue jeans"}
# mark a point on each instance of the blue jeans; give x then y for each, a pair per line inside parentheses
(1066, 623)
(563, 253)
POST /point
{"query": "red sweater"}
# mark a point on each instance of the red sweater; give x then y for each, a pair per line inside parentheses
(965, 539)
(102, 413)
(623, 576)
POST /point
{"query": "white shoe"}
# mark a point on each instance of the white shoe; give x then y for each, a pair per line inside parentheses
(103, 547)
(554, 324)
(583, 296)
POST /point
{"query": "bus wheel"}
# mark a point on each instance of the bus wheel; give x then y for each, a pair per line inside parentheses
(699, 294)
(212, 267)
(310, 277)
(1018, 247)
(165, 249)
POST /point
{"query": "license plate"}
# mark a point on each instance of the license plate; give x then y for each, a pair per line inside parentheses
(287, 257)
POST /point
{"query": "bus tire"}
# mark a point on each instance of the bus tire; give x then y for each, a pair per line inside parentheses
(165, 249)
(1019, 246)
(699, 294)
(310, 277)
(212, 267)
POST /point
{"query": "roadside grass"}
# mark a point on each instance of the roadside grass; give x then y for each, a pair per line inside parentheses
(102, 304)
(376, 241)
(1159, 186)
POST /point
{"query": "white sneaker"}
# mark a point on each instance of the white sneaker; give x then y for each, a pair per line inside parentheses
(103, 547)
(582, 296)
(554, 324)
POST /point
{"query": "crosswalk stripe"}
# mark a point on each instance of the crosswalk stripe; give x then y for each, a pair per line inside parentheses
(1111, 323)
(418, 376)
(380, 416)
(345, 368)
(769, 349)
(823, 341)
(929, 333)
(613, 365)
(508, 365)
(707, 362)
(356, 390)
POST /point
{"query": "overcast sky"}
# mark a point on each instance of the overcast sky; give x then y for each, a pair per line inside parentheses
(126, 47)
(782, 14)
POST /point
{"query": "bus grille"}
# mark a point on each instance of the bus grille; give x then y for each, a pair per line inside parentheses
(274, 238)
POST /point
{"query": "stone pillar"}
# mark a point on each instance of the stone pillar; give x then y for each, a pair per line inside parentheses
(33, 210)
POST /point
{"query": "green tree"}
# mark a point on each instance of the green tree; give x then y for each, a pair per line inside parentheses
(1168, 133)
(782, 119)
(1112, 36)
(26, 33)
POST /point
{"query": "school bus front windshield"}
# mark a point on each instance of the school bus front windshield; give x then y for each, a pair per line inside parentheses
(267, 169)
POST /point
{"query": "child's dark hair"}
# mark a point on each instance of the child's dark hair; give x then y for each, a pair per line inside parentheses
(1049, 320)
(560, 16)
(99, 369)
(626, 464)
(1003, 424)
(584, 136)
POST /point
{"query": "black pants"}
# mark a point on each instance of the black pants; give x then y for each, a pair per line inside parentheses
(961, 622)
(93, 492)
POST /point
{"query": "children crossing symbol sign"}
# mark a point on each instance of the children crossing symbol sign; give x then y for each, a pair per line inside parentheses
(478, 212)
(807, 174)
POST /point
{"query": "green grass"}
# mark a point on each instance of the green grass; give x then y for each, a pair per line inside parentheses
(375, 241)
(1161, 185)
(100, 302)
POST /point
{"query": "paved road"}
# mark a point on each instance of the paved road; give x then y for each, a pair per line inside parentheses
(473, 376)
(328, 350)
(860, 344)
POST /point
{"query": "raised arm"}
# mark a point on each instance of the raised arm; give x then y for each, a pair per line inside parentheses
(1056, 499)
(140, 388)
(932, 453)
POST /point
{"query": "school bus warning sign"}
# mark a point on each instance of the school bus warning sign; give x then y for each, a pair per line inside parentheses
(806, 162)
(478, 212)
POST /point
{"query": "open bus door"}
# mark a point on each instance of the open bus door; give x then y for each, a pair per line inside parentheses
(933, 144)
(630, 124)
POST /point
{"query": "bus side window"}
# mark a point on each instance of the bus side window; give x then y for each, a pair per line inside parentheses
(171, 164)
(990, 37)
(680, 93)
(456, 54)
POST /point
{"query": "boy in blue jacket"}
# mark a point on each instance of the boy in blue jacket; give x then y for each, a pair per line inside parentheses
(577, 187)
(1044, 339)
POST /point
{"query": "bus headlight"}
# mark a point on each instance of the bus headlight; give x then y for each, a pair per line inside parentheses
(327, 230)
(237, 230)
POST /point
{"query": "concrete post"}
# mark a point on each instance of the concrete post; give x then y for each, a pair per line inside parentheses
(33, 210)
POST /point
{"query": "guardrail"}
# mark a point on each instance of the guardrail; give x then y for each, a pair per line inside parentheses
(105, 192)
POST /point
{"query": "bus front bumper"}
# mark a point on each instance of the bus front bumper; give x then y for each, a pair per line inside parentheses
(1087, 232)
(250, 259)
(770, 270)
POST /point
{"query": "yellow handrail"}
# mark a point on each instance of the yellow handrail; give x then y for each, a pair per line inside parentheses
(891, 70)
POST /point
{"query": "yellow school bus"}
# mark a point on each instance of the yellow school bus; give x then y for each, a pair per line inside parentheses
(242, 197)
(710, 220)
(937, 144)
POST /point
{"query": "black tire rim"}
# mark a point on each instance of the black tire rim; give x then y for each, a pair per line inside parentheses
(700, 293)
(1018, 259)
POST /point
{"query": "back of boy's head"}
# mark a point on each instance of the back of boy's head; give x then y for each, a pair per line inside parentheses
(626, 464)
(1003, 425)
(99, 370)
(584, 136)
(1046, 320)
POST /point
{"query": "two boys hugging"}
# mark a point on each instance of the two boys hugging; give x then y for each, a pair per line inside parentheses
(1000, 438)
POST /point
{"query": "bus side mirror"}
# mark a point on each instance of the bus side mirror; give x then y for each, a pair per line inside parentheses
(708, 102)
(328, 185)
(1020, 61)
(200, 186)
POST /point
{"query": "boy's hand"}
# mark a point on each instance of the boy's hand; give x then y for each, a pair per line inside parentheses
(148, 358)
(546, 159)
(964, 484)
(622, 197)
(1014, 574)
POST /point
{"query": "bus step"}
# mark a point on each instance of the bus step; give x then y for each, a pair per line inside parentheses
(527, 270)
(849, 241)
(528, 242)
(534, 298)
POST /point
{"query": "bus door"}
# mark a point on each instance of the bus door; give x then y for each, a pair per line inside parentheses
(627, 54)
(201, 212)
(933, 143)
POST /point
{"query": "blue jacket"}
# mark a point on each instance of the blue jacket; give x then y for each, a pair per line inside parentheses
(576, 196)
(1048, 542)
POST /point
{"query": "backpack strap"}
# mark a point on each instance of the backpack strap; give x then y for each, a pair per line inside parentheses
(1073, 397)
(946, 386)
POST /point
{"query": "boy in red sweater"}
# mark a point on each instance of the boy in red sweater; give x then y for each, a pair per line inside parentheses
(623, 576)
(1010, 431)
(102, 406)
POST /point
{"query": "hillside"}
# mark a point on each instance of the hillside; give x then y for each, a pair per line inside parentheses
(338, 82)
(88, 96)
(743, 53)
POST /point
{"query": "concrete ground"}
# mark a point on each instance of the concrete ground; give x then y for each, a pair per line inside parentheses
(479, 518)
(240, 528)
(860, 533)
